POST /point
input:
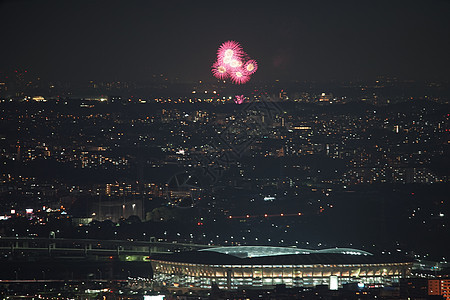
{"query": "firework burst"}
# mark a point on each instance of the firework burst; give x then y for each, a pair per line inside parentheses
(229, 50)
(233, 62)
(219, 70)
(239, 76)
(239, 99)
(251, 66)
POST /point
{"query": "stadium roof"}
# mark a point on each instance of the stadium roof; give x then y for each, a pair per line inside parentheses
(262, 255)
(263, 251)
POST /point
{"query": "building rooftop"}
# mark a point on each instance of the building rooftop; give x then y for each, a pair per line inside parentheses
(263, 251)
(266, 255)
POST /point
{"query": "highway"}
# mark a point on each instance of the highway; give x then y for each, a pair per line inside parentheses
(62, 246)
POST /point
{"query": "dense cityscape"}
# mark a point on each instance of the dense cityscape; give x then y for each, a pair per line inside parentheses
(360, 165)
(224, 150)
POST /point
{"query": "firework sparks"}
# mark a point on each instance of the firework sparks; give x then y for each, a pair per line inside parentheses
(230, 49)
(233, 62)
(219, 70)
(251, 66)
(239, 77)
(239, 99)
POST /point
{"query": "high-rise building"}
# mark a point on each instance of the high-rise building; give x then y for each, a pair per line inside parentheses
(439, 287)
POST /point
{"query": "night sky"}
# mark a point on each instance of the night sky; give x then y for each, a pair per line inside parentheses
(291, 40)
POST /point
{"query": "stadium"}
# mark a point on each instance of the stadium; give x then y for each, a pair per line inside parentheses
(264, 266)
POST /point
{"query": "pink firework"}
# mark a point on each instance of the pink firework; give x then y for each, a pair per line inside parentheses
(233, 62)
(219, 70)
(229, 50)
(251, 66)
(239, 76)
(239, 99)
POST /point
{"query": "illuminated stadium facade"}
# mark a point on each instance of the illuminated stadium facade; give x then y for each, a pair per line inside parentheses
(261, 266)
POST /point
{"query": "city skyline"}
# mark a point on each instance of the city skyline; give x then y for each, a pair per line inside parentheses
(224, 150)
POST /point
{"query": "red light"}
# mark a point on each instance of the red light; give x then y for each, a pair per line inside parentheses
(110, 257)
(281, 214)
(248, 216)
(265, 215)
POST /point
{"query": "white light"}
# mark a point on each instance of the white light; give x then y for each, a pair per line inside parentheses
(333, 283)
(154, 297)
